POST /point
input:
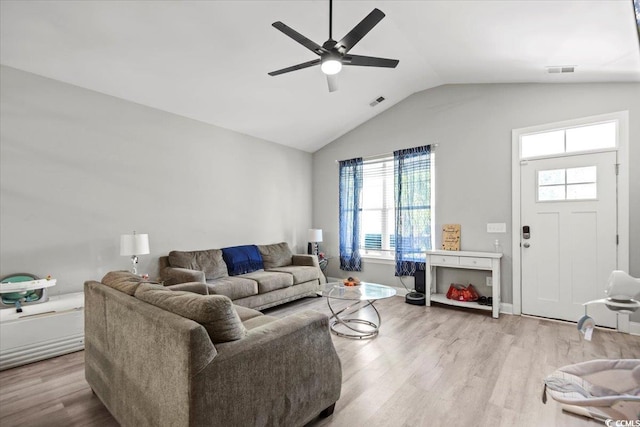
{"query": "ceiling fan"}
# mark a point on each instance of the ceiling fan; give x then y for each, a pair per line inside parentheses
(333, 55)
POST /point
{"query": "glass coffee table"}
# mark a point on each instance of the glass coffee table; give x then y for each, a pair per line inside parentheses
(344, 322)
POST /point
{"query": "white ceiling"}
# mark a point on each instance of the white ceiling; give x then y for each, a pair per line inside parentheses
(208, 60)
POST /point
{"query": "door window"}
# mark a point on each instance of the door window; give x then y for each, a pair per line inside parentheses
(567, 184)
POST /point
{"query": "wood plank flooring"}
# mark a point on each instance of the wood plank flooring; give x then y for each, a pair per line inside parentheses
(429, 366)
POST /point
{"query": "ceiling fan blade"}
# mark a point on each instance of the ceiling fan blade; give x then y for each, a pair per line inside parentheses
(369, 61)
(332, 81)
(312, 46)
(359, 31)
(295, 67)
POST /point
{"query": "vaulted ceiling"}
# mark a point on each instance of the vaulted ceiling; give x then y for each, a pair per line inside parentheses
(208, 60)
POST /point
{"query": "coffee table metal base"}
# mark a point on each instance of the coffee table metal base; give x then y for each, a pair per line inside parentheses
(348, 324)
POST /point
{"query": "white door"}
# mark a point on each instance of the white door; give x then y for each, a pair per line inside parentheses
(569, 205)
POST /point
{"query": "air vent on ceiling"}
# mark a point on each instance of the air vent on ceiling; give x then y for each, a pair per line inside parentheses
(377, 101)
(561, 69)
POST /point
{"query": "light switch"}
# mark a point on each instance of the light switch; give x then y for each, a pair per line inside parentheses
(496, 227)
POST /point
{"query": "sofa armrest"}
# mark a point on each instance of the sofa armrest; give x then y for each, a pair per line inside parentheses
(195, 287)
(305, 260)
(309, 261)
(175, 275)
(287, 369)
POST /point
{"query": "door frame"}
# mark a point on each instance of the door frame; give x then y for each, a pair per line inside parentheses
(622, 155)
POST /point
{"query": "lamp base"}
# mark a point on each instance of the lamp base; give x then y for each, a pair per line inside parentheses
(134, 264)
(312, 248)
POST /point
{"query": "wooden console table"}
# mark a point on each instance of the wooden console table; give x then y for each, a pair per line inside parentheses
(465, 260)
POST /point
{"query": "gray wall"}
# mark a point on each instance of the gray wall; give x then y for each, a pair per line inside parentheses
(79, 168)
(472, 125)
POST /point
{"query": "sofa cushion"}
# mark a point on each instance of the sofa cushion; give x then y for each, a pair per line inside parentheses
(258, 321)
(233, 287)
(246, 313)
(209, 261)
(242, 259)
(270, 280)
(281, 296)
(123, 281)
(275, 255)
(300, 273)
(215, 312)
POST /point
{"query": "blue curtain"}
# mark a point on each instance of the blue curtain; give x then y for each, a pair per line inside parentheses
(412, 178)
(350, 213)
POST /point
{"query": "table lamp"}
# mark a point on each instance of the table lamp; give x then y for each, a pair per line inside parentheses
(134, 245)
(314, 236)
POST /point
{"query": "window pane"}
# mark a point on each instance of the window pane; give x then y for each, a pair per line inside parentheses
(372, 192)
(594, 137)
(551, 177)
(378, 219)
(579, 175)
(581, 191)
(391, 228)
(373, 241)
(543, 144)
(551, 192)
(371, 229)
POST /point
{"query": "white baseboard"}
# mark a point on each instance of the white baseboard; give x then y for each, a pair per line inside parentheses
(401, 291)
(506, 308)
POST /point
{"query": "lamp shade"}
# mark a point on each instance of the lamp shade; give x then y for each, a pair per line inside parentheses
(134, 244)
(314, 235)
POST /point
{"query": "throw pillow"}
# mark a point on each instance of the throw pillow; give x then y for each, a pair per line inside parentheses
(276, 255)
(210, 262)
(214, 312)
(242, 259)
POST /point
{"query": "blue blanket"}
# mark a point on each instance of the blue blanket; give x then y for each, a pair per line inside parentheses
(242, 259)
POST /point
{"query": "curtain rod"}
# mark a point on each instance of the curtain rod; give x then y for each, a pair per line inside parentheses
(382, 155)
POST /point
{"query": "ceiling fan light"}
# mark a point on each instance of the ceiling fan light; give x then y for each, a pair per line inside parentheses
(331, 66)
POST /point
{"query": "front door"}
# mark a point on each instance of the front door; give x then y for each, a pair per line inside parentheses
(569, 204)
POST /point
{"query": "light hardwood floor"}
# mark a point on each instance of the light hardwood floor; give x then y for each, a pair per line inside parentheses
(430, 366)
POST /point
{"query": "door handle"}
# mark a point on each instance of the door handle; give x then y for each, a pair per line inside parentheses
(526, 244)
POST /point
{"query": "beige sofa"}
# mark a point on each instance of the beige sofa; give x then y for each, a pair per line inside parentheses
(164, 357)
(279, 277)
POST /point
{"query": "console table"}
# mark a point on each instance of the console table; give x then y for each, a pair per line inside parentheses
(465, 260)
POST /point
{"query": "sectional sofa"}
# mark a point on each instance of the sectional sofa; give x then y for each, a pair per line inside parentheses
(253, 276)
(172, 356)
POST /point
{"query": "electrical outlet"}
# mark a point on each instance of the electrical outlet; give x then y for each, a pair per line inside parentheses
(489, 281)
(496, 227)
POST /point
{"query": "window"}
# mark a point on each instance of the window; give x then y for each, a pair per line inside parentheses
(591, 137)
(385, 209)
(379, 204)
(377, 235)
(567, 184)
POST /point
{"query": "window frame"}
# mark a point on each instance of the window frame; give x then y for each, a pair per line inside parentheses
(385, 236)
(389, 258)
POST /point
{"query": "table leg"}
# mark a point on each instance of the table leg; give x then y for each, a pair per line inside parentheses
(337, 321)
